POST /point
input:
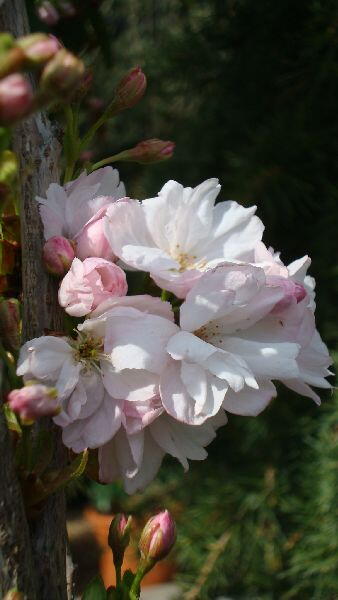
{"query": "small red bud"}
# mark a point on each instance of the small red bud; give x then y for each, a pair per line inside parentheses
(16, 98)
(58, 255)
(149, 151)
(157, 538)
(119, 536)
(129, 90)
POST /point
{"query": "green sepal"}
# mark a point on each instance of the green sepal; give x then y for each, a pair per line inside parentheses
(128, 578)
(95, 590)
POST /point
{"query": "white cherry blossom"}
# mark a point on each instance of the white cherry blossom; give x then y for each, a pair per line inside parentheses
(240, 330)
(181, 233)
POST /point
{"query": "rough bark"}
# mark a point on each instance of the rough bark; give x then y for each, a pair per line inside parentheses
(38, 150)
(16, 566)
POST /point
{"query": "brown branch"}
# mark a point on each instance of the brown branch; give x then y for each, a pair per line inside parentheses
(216, 549)
(38, 151)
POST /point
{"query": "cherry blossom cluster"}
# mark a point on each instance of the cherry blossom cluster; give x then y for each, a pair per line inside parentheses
(148, 375)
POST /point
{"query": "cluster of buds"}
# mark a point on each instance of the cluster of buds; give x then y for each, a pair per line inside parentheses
(34, 401)
(59, 74)
(156, 541)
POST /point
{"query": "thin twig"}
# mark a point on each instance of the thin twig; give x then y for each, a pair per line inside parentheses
(215, 550)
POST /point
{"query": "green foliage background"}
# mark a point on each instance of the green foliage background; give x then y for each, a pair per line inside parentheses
(248, 91)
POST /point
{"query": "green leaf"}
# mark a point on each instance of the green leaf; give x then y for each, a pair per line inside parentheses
(11, 420)
(95, 590)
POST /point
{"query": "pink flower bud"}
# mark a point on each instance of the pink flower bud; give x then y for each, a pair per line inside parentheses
(158, 537)
(89, 283)
(62, 74)
(10, 323)
(47, 13)
(34, 401)
(39, 48)
(149, 151)
(294, 292)
(16, 98)
(58, 254)
(119, 536)
(129, 90)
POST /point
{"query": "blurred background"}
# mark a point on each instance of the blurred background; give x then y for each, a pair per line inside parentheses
(248, 92)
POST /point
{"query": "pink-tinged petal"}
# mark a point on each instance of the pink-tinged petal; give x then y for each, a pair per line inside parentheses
(266, 360)
(138, 415)
(89, 283)
(68, 378)
(303, 389)
(91, 239)
(179, 217)
(234, 234)
(232, 368)
(139, 340)
(52, 211)
(144, 303)
(107, 179)
(129, 384)
(219, 292)
(131, 241)
(269, 262)
(248, 402)
(96, 430)
(180, 404)
(43, 357)
(116, 461)
(183, 441)
(178, 283)
(187, 346)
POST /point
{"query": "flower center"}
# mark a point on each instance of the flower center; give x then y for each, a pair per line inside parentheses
(88, 350)
(186, 261)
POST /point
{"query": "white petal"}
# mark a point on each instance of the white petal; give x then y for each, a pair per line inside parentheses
(250, 402)
(266, 360)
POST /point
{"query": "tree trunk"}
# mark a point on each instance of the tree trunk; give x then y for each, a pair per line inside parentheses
(38, 151)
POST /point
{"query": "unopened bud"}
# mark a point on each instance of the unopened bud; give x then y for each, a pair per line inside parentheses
(149, 151)
(34, 401)
(62, 74)
(39, 48)
(58, 255)
(119, 536)
(10, 323)
(157, 538)
(11, 57)
(47, 13)
(16, 98)
(129, 91)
